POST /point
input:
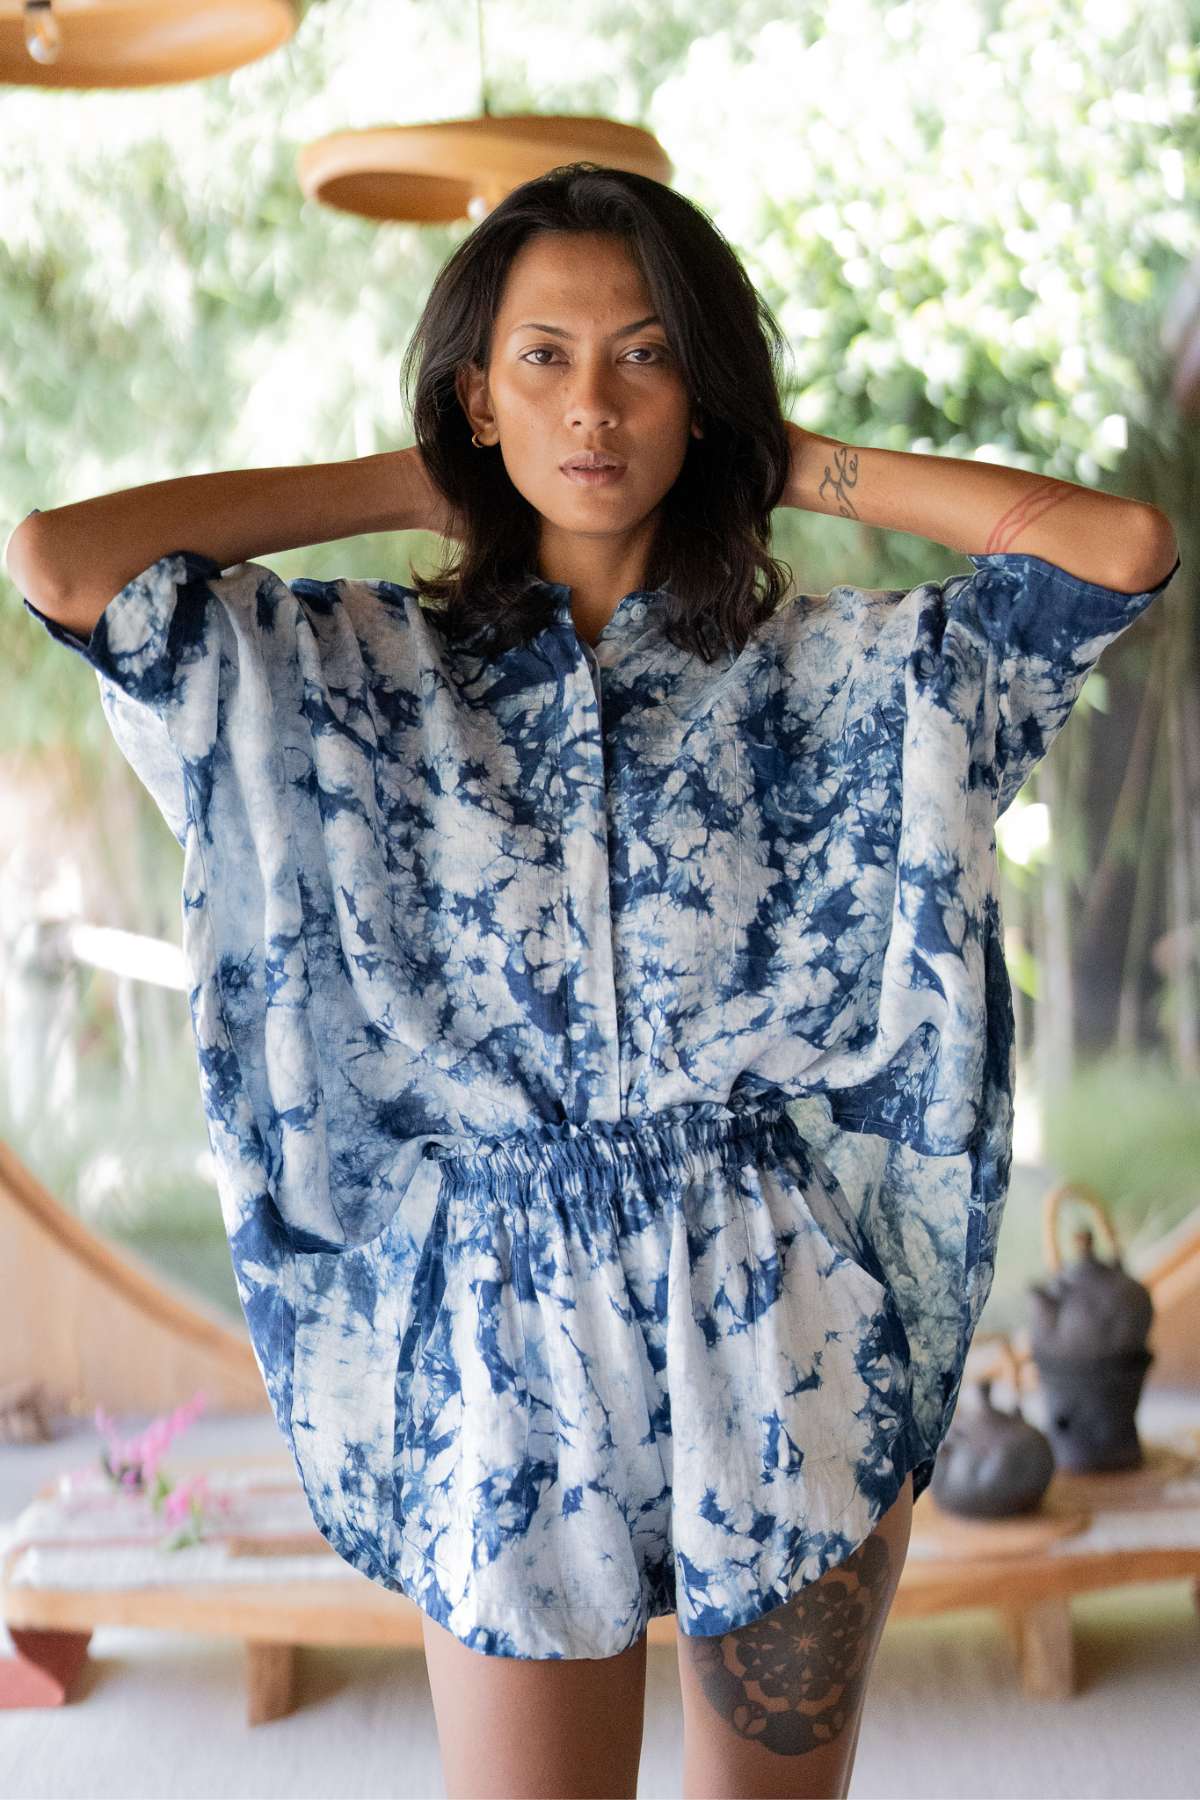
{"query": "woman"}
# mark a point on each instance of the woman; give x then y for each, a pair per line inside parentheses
(598, 982)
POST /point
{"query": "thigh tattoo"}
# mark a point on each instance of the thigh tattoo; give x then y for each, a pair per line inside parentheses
(792, 1680)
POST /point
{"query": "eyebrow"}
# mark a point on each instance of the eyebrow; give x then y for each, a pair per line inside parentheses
(558, 331)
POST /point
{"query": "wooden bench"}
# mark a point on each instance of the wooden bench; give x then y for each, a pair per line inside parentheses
(1093, 1532)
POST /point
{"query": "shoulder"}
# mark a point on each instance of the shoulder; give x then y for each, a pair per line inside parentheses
(338, 590)
(364, 604)
(845, 617)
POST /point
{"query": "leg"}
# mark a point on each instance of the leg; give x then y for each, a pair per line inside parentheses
(270, 1681)
(774, 1707)
(1045, 1648)
(509, 1729)
(44, 1666)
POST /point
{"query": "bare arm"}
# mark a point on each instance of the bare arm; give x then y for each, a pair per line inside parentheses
(985, 508)
(72, 560)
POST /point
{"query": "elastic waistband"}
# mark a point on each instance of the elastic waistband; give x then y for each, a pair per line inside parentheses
(659, 1141)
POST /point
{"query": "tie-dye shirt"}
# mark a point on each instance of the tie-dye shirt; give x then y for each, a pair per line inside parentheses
(429, 897)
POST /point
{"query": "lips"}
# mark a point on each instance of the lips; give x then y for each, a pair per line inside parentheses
(593, 459)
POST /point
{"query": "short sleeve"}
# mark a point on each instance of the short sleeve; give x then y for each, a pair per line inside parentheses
(156, 651)
(1045, 630)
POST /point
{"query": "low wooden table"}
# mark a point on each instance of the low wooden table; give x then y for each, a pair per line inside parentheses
(51, 1627)
(1092, 1532)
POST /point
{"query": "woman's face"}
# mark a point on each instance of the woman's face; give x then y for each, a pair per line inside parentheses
(567, 374)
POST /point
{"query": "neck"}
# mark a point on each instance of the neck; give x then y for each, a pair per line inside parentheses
(599, 571)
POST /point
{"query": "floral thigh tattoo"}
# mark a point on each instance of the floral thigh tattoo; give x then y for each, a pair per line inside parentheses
(792, 1680)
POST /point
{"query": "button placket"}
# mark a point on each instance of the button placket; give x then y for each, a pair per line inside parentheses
(592, 1042)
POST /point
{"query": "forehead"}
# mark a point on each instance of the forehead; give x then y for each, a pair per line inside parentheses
(580, 274)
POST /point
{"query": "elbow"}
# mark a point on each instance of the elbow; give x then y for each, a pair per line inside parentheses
(29, 569)
(1157, 551)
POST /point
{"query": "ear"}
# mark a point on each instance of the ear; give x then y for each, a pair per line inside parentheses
(470, 384)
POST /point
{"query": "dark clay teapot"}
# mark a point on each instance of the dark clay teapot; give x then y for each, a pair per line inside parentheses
(1088, 1338)
(993, 1463)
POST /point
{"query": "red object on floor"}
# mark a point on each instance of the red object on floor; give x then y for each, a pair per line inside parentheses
(45, 1665)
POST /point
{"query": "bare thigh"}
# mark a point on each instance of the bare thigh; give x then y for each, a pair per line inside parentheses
(774, 1708)
(513, 1729)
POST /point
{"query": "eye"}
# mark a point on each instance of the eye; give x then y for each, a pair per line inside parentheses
(655, 350)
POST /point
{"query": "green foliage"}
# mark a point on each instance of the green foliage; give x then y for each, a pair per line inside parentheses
(1130, 1128)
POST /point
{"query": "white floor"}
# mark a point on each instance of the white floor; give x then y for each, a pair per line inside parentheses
(160, 1715)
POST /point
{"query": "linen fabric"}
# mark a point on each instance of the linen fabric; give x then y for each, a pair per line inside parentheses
(607, 1058)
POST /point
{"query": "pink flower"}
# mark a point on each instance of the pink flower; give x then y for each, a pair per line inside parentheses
(133, 1462)
(185, 1497)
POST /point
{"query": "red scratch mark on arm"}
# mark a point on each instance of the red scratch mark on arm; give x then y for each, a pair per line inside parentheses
(1042, 498)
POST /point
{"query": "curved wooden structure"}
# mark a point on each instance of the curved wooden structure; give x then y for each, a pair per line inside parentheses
(138, 43)
(97, 1326)
(1172, 1273)
(462, 168)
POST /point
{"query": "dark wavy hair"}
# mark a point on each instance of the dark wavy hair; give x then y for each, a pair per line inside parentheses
(710, 550)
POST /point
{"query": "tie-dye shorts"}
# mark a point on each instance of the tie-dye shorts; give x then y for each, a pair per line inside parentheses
(637, 1368)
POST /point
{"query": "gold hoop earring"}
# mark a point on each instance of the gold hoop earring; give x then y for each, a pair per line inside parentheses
(476, 442)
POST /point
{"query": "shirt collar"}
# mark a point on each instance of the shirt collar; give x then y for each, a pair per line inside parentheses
(627, 620)
(632, 619)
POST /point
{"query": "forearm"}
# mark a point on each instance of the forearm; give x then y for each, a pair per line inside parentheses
(980, 508)
(77, 557)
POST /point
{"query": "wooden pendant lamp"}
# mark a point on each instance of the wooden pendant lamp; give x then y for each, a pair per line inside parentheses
(462, 168)
(427, 174)
(136, 43)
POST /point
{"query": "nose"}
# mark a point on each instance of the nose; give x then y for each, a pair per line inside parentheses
(591, 405)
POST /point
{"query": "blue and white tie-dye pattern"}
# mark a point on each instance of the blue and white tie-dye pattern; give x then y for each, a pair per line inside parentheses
(607, 1059)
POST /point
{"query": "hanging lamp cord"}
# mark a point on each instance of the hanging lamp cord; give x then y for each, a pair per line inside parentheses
(484, 108)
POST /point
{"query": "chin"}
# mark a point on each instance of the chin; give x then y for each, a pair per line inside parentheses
(591, 503)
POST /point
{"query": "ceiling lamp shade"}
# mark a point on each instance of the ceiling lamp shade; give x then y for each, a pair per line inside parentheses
(135, 43)
(426, 174)
(462, 168)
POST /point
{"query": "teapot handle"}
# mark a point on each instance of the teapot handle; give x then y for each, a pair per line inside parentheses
(1006, 1361)
(1051, 1212)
